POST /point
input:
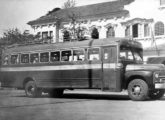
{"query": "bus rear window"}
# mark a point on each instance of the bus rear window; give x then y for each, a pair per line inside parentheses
(93, 54)
(44, 57)
(25, 58)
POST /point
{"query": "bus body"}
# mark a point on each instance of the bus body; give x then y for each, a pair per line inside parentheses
(110, 64)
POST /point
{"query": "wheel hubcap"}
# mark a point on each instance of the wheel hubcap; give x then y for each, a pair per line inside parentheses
(136, 90)
(31, 90)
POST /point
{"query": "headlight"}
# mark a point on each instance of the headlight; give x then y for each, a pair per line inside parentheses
(156, 75)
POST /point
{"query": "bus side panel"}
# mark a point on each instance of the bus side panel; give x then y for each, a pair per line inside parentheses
(11, 79)
(112, 79)
(72, 78)
(68, 79)
(64, 78)
(86, 75)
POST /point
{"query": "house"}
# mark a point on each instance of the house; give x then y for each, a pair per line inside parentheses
(102, 16)
(139, 20)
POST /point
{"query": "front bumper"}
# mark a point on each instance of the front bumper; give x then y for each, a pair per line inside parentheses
(159, 85)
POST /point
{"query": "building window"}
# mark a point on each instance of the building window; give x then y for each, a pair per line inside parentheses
(44, 35)
(51, 34)
(38, 35)
(110, 32)
(127, 31)
(159, 29)
(135, 30)
(95, 33)
(146, 30)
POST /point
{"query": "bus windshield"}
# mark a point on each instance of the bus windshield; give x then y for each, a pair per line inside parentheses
(138, 56)
(131, 54)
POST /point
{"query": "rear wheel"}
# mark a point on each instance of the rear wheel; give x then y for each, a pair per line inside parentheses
(56, 93)
(138, 90)
(31, 89)
(156, 94)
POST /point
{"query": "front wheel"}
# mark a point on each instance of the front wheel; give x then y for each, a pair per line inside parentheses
(156, 94)
(138, 90)
(31, 89)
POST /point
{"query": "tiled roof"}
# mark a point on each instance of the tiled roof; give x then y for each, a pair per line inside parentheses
(94, 11)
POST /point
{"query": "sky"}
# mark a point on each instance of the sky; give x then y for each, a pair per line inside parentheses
(16, 13)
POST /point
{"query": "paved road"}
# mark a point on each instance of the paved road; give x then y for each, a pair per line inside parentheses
(78, 105)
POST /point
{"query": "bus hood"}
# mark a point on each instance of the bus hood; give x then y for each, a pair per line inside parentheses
(150, 67)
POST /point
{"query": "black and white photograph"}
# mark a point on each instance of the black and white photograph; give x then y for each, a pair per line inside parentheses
(82, 59)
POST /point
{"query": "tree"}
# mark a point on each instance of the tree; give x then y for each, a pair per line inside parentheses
(69, 4)
(66, 35)
(14, 36)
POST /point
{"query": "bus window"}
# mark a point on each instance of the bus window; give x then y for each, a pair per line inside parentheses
(44, 57)
(106, 53)
(55, 56)
(93, 54)
(110, 54)
(34, 58)
(78, 55)
(66, 55)
(14, 59)
(6, 60)
(126, 55)
(25, 58)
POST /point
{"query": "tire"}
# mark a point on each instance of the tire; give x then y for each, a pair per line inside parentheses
(56, 93)
(156, 94)
(138, 90)
(31, 90)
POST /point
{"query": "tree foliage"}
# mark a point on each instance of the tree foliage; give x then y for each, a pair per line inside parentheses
(14, 36)
(69, 4)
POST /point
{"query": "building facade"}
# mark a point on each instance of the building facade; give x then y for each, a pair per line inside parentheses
(140, 20)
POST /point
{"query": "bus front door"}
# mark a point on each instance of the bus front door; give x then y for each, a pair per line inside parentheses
(111, 74)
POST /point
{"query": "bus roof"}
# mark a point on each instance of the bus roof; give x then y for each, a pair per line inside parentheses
(76, 44)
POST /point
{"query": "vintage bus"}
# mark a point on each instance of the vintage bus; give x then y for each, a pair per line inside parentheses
(112, 64)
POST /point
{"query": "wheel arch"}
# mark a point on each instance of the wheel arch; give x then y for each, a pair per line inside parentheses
(26, 80)
(134, 77)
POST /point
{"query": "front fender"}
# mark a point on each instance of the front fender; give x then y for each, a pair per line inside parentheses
(145, 75)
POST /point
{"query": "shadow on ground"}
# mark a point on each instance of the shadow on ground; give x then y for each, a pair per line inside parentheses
(85, 96)
(90, 96)
(95, 96)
